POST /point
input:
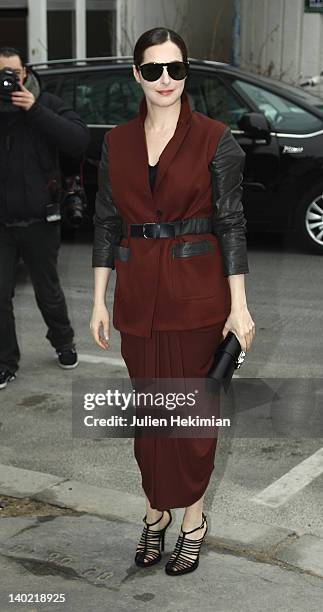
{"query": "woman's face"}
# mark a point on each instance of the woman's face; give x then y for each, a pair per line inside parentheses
(165, 91)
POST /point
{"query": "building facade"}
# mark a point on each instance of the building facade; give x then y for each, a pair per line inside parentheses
(288, 41)
(57, 29)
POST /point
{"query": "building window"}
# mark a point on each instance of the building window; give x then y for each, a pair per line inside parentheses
(100, 33)
(60, 34)
(13, 29)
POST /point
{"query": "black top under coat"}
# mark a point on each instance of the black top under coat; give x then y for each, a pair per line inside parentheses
(152, 175)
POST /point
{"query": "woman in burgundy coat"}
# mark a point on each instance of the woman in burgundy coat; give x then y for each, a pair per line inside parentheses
(169, 218)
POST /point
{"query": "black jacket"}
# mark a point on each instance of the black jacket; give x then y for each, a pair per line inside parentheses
(30, 143)
(228, 220)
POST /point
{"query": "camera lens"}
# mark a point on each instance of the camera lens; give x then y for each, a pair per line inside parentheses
(74, 210)
(9, 82)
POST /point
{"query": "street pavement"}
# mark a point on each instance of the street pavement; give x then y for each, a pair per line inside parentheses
(89, 560)
(260, 555)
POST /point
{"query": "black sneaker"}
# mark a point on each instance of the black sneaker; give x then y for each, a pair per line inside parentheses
(67, 358)
(5, 377)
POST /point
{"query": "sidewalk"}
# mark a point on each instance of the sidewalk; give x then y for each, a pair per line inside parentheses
(89, 557)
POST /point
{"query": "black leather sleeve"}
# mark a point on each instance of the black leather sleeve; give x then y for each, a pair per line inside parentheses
(229, 222)
(107, 221)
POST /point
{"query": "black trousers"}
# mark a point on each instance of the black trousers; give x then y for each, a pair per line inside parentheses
(38, 245)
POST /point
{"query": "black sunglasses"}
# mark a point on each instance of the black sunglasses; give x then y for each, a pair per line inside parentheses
(153, 70)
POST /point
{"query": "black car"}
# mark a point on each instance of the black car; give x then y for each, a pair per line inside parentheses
(279, 126)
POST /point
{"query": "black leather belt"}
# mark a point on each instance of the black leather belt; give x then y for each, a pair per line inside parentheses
(170, 229)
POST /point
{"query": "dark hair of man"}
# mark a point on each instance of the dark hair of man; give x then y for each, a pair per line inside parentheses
(10, 52)
(157, 36)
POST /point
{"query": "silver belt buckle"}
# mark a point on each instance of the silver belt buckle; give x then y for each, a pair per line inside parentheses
(144, 224)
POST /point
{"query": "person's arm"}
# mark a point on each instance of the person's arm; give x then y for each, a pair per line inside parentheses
(59, 124)
(107, 233)
(229, 225)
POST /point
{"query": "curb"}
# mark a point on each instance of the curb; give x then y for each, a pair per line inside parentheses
(259, 542)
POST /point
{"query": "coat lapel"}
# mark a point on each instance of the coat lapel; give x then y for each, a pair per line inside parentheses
(172, 147)
(140, 153)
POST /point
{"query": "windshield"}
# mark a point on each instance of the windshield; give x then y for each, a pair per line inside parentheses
(283, 114)
(300, 92)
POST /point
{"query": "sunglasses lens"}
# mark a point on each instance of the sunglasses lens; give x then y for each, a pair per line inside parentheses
(177, 70)
(151, 72)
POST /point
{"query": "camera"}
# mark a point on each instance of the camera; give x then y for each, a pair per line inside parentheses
(9, 82)
(74, 203)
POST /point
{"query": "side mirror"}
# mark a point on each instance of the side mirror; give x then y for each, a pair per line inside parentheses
(255, 125)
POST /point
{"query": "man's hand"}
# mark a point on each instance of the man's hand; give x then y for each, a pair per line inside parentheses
(24, 98)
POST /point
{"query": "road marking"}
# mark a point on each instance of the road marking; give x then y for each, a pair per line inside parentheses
(295, 480)
(98, 359)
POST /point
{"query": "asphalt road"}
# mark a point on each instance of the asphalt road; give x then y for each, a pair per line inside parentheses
(284, 290)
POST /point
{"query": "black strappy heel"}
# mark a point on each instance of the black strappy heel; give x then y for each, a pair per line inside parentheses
(152, 542)
(181, 561)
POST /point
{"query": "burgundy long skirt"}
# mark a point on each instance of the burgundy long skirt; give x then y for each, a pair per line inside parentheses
(175, 472)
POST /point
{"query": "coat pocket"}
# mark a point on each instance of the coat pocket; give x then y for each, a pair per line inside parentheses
(121, 253)
(194, 269)
(190, 249)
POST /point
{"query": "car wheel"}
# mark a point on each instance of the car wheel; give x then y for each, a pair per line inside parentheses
(309, 220)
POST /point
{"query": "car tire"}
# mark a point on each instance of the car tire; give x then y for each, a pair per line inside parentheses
(310, 213)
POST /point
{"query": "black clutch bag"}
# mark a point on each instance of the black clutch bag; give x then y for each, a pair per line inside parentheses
(228, 357)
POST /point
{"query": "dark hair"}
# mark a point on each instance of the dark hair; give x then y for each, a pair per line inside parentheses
(157, 36)
(10, 52)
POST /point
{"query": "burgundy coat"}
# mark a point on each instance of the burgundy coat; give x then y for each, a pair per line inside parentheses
(156, 287)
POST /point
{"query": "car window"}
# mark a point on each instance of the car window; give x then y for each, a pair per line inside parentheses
(103, 98)
(209, 96)
(49, 84)
(67, 90)
(303, 94)
(284, 115)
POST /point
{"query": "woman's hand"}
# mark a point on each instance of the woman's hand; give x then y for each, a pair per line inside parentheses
(240, 322)
(100, 325)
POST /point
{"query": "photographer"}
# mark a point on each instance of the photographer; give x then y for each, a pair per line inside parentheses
(35, 127)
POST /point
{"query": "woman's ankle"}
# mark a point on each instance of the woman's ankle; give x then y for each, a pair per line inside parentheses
(192, 521)
(153, 515)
